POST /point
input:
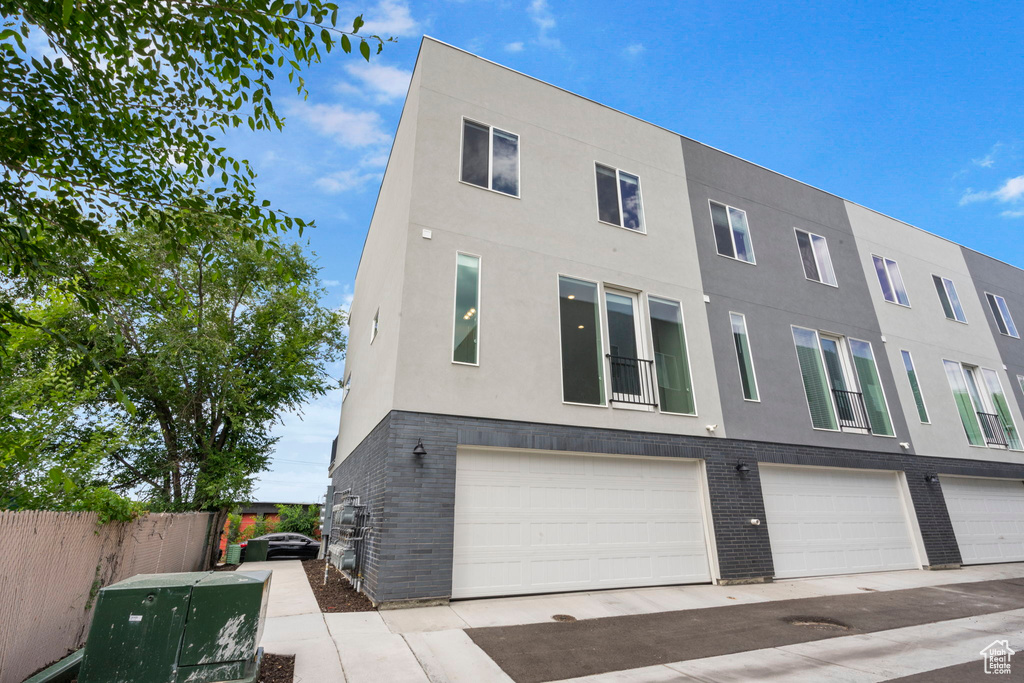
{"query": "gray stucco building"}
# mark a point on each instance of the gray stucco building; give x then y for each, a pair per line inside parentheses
(587, 352)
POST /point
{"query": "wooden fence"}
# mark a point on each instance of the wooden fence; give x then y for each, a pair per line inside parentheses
(53, 563)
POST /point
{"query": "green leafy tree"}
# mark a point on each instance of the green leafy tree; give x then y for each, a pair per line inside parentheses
(300, 519)
(228, 336)
(261, 526)
(54, 437)
(110, 112)
(234, 527)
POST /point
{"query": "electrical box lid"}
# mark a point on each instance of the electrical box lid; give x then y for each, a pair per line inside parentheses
(225, 617)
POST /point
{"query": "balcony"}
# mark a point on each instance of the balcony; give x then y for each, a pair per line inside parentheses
(851, 411)
(992, 428)
(633, 381)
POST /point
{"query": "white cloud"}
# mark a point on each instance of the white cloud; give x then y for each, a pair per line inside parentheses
(514, 47)
(989, 159)
(634, 49)
(346, 127)
(390, 19)
(542, 16)
(343, 181)
(385, 83)
(1010, 191)
(377, 159)
(1013, 214)
(331, 283)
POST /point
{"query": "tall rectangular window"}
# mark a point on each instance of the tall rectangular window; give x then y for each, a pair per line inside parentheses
(675, 390)
(965, 404)
(890, 280)
(490, 158)
(618, 198)
(579, 316)
(732, 236)
(467, 309)
(1002, 315)
(812, 372)
(915, 388)
(1002, 409)
(815, 257)
(871, 388)
(743, 356)
(949, 299)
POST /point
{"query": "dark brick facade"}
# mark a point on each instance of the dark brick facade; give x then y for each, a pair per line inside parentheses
(411, 500)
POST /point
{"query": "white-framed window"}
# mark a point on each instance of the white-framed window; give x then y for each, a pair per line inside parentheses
(1004, 321)
(815, 257)
(745, 359)
(981, 403)
(619, 201)
(949, 299)
(375, 326)
(890, 280)
(915, 387)
(466, 335)
(671, 357)
(732, 235)
(490, 158)
(632, 379)
(841, 383)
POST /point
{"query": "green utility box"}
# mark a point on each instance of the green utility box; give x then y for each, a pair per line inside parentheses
(194, 627)
(256, 550)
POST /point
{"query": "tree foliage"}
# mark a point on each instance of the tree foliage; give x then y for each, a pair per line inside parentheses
(110, 112)
(299, 519)
(53, 436)
(261, 526)
(227, 336)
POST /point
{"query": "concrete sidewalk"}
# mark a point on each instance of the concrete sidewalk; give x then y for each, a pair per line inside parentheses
(430, 644)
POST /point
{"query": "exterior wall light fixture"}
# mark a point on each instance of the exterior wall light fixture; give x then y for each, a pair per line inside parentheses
(419, 451)
(742, 467)
(931, 478)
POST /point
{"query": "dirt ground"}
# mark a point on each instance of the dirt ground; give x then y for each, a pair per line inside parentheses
(337, 595)
(277, 669)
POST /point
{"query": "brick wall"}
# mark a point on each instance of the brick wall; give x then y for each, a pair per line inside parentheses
(363, 472)
(412, 500)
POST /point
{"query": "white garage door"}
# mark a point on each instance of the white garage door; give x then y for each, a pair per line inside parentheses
(533, 522)
(829, 521)
(988, 518)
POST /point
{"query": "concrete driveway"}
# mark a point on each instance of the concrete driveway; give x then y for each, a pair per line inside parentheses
(898, 625)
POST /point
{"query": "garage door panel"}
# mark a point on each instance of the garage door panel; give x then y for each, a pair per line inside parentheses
(987, 517)
(824, 521)
(577, 529)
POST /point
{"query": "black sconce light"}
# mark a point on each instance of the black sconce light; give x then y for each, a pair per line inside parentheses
(931, 478)
(742, 467)
(419, 451)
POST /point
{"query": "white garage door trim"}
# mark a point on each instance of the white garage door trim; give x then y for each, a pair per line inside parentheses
(987, 517)
(824, 521)
(542, 522)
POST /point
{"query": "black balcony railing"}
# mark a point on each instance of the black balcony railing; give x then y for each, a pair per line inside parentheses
(992, 427)
(851, 411)
(633, 381)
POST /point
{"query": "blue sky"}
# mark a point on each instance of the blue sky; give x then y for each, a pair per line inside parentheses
(915, 111)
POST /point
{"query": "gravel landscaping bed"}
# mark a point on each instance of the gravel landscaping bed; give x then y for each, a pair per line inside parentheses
(337, 595)
(277, 669)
